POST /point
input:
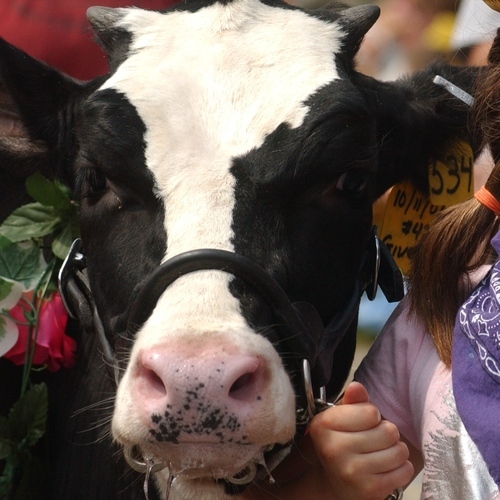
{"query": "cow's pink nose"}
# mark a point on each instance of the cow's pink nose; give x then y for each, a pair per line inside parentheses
(177, 384)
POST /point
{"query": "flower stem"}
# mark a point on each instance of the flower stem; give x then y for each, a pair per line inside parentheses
(38, 298)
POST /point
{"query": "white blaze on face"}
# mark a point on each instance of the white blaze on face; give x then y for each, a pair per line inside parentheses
(209, 87)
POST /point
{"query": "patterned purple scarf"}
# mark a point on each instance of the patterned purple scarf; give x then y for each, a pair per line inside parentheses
(476, 366)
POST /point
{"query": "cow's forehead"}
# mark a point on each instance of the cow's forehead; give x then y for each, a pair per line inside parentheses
(210, 85)
(225, 76)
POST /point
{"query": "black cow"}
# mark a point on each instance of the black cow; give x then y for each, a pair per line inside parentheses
(240, 128)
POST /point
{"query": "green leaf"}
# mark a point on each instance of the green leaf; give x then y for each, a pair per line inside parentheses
(21, 264)
(9, 335)
(10, 293)
(33, 220)
(3, 330)
(62, 242)
(7, 481)
(48, 193)
(34, 479)
(5, 288)
(28, 417)
(5, 430)
(4, 242)
(24, 472)
(6, 448)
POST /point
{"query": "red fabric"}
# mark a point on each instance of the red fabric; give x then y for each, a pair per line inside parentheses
(57, 31)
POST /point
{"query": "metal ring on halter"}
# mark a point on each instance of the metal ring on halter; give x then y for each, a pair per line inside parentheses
(138, 465)
(396, 494)
(74, 259)
(314, 405)
(371, 291)
(321, 405)
(246, 476)
(306, 372)
(322, 393)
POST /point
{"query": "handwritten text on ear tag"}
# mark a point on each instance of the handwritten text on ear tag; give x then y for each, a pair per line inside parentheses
(408, 213)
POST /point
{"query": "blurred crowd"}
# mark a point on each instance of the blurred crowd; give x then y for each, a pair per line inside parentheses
(408, 35)
(411, 33)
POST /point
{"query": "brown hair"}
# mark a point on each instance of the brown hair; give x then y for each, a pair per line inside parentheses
(458, 242)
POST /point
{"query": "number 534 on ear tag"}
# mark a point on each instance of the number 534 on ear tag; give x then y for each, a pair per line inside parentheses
(451, 181)
(408, 212)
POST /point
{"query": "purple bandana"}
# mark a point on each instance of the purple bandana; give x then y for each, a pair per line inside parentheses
(476, 366)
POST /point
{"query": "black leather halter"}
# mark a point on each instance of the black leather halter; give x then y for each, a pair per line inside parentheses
(309, 346)
(302, 333)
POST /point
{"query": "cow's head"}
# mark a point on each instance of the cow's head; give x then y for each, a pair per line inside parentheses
(239, 126)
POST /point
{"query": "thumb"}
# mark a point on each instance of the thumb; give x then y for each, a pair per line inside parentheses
(355, 393)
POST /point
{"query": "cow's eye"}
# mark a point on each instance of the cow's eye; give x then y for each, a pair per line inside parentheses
(352, 182)
(97, 183)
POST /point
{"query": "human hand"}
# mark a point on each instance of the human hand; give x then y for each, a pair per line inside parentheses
(361, 454)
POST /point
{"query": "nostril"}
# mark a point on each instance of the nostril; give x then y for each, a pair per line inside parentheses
(153, 384)
(242, 387)
(248, 386)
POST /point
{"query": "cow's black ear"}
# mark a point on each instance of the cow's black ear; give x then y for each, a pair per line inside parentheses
(418, 120)
(114, 39)
(356, 22)
(35, 111)
(40, 93)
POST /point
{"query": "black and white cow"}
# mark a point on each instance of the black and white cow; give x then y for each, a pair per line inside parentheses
(241, 126)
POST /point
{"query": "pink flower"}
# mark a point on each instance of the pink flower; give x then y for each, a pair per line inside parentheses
(53, 347)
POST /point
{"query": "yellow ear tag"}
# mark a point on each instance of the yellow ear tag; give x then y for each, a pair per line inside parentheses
(451, 181)
(408, 212)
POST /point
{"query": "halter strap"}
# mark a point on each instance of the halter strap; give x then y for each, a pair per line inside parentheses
(310, 339)
(310, 342)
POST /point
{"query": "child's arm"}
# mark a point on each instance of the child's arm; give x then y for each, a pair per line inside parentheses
(350, 453)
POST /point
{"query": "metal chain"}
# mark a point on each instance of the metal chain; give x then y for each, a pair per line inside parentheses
(396, 494)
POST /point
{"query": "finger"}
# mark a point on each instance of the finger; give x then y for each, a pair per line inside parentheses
(355, 393)
(385, 435)
(331, 444)
(398, 478)
(346, 418)
(385, 483)
(382, 461)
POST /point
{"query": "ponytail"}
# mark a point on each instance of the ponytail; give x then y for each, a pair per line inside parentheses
(458, 242)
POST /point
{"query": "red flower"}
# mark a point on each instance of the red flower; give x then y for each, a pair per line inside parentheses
(53, 347)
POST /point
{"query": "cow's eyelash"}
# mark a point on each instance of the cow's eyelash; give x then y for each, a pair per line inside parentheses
(90, 181)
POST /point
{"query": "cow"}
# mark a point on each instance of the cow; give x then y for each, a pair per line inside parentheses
(225, 170)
